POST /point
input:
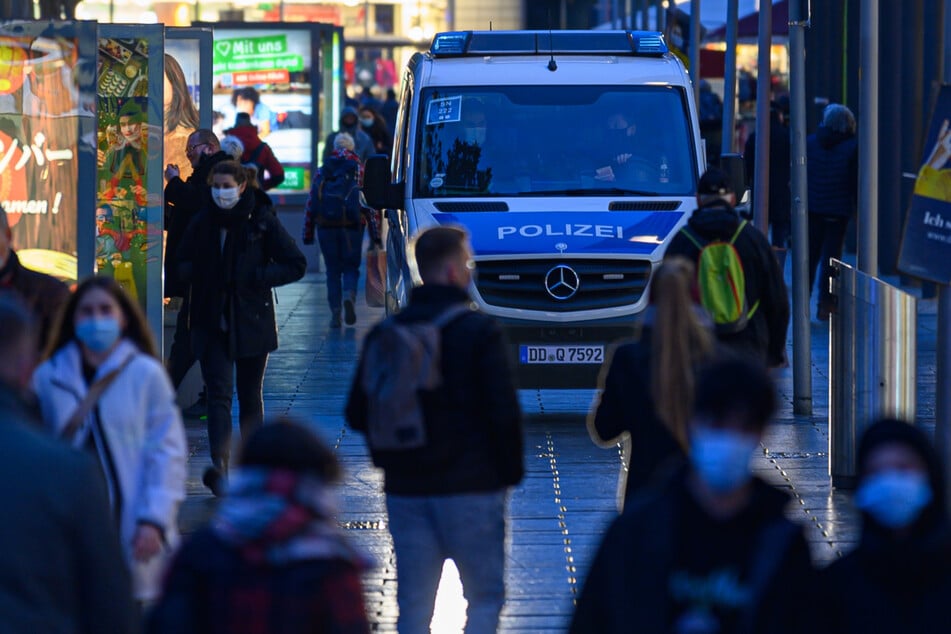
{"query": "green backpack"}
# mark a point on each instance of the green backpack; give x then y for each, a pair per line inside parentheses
(722, 282)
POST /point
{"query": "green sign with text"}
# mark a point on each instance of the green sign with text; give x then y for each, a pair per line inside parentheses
(267, 52)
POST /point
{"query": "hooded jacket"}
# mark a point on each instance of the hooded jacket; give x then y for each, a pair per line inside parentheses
(233, 259)
(144, 436)
(765, 334)
(893, 583)
(264, 158)
(630, 584)
(833, 173)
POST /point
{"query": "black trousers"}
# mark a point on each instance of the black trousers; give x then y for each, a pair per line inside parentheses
(222, 374)
(826, 239)
(180, 356)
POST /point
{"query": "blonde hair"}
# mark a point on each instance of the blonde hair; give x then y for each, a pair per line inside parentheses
(680, 341)
(344, 141)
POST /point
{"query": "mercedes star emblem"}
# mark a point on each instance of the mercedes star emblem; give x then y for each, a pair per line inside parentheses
(562, 282)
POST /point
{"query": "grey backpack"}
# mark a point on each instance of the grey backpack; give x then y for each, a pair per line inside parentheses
(400, 361)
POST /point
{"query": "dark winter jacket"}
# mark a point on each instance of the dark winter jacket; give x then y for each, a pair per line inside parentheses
(231, 282)
(183, 201)
(765, 334)
(474, 416)
(890, 582)
(43, 295)
(270, 170)
(833, 173)
(61, 566)
(780, 198)
(626, 405)
(212, 589)
(642, 562)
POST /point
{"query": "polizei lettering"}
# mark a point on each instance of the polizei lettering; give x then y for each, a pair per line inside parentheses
(579, 230)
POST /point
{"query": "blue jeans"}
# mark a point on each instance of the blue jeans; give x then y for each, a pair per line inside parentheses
(468, 528)
(342, 248)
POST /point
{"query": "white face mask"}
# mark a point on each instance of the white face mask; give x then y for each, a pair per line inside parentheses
(721, 457)
(894, 498)
(226, 197)
(475, 135)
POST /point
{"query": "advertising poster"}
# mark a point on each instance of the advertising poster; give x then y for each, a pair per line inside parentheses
(46, 102)
(182, 95)
(266, 74)
(926, 242)
(126, 241)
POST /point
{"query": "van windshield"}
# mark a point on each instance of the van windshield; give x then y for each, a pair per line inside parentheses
(554, 141)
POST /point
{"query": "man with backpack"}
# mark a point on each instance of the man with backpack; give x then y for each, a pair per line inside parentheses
(257, 152)
(336, 208)
(738, 276)
(434, 395)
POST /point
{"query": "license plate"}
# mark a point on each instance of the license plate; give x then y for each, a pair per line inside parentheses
(560, 354)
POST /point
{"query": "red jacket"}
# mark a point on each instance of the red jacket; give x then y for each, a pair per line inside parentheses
(270, 171)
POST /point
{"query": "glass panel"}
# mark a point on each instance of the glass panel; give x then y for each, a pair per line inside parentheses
(266, 73)
(554, 141)
(182, 99)
(45, 102)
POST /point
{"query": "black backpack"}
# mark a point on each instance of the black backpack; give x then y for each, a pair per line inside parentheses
(335, 196)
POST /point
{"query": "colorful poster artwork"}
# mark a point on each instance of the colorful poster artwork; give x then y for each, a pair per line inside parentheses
(125, 240)
(181, 101)
(926, 242)
(40, 113)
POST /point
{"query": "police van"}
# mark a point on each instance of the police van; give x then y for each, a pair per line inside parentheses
(571, 157)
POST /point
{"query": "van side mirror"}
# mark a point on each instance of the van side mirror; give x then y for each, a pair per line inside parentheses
(377, 188)
(732, 165)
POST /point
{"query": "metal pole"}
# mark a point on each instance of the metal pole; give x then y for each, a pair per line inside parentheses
(942, 410)
(660, 15)
(616, 14)
(761, 181)
(802, 338)
(695, 49)
(563, 14)
(868, 139)
(729, 78)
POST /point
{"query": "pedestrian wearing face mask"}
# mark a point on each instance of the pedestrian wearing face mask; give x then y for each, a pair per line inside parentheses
(709, 550)
(898, 579)
(373, 124)
(234, 253)
(103, 389)
(350, 123)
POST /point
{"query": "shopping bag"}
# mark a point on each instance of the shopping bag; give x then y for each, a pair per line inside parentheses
(376, 278)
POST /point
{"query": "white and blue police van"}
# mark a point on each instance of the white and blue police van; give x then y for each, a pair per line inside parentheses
(571, 157)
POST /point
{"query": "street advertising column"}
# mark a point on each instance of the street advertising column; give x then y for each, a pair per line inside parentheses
(269, 73)
(926, 242)
(47, 132)
(129, 212)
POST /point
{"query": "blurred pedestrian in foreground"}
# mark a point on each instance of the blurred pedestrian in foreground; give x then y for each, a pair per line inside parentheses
(833, 178)
(647, 385)
(710, 550)
(898, 579)
(233, 255)
(273, 558)
(61, 569)
(761, 333)
(446, 496)
(103, 389)
(42, 294)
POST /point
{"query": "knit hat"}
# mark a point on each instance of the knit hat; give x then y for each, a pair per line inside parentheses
(714, 182)
(242, 119)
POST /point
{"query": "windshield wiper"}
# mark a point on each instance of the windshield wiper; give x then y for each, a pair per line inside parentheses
(590, 191)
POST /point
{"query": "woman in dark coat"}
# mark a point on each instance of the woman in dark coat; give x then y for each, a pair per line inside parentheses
(898, 579)
(647, 389)
(234, 253)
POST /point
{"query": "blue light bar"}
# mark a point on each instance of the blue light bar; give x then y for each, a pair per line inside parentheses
(568, 42)
(451, 43)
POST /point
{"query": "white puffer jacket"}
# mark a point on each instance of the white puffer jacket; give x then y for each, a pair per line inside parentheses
(145, 436)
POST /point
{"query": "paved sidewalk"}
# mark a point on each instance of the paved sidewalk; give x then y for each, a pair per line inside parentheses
(559, 511)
